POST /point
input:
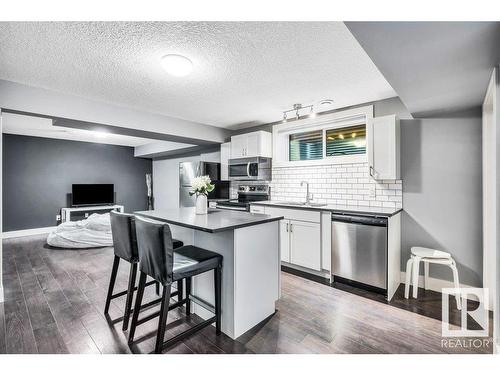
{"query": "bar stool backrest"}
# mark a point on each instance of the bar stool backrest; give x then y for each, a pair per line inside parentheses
(124, 239)
(156, 251)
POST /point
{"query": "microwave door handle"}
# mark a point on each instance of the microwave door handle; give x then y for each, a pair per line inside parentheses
(248, 170)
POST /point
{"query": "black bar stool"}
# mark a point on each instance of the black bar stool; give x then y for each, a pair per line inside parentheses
(158, 260)
(125, 248)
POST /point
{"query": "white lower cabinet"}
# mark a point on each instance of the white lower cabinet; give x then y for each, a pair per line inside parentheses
(301, 236)
(305, 244)
(285, 240)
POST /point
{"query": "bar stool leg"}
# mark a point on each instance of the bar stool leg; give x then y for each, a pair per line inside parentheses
(157, 288)
(426, 275)
(180, 287)
(162, 324)
(217, 282)
(188, 293)
(408, 277)
(114, 272)
(130, 295)
(458, 296)
(137, 307)
(416, 264)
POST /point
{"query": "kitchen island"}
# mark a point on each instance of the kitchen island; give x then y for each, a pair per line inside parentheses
(249, 244)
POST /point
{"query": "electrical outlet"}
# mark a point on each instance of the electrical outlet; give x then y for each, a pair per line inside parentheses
(58, 217)
(373, 191)
(86, 214)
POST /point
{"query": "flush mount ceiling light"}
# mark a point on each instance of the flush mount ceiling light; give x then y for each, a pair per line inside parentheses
(177, 65)
(326, 102)
(298, 108)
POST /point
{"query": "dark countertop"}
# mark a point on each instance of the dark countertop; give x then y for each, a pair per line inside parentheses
(215, 221)
(364, 210)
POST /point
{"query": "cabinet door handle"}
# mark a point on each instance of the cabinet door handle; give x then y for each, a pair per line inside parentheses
(287, 227)
(373, 173)
(291, 228)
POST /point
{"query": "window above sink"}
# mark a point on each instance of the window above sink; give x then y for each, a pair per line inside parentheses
(336, 138)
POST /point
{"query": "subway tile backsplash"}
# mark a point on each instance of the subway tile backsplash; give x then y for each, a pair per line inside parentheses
(343, 184)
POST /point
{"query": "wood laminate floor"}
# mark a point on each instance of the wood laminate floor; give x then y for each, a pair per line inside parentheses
(54, 301)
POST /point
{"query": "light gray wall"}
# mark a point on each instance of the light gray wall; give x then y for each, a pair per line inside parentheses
(166, 178)
(38, 174)
(441, 163)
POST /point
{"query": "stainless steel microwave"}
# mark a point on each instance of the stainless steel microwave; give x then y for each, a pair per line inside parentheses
(250, 169)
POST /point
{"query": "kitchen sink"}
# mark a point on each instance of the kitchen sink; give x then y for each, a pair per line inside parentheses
(303, 204)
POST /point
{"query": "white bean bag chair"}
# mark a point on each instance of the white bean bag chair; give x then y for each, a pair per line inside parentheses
(95, 231)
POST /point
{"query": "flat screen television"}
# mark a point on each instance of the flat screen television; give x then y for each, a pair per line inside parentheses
(92, 194)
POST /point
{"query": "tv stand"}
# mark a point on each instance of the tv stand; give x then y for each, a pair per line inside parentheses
(66, 211)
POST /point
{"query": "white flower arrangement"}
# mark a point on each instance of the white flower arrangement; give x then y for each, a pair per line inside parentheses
(201, 186)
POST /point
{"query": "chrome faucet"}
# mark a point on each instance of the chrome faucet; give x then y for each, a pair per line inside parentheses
(308, 196)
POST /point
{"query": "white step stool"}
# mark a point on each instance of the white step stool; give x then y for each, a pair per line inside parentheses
(428, 256)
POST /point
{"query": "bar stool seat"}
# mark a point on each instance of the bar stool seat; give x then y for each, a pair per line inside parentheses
(157, 259)
(177, 243)
(191, 260)
(425, 252)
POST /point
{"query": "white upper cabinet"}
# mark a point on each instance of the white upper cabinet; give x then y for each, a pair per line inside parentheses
(383, 149)
(252, 144)
(238, 146)
(225, 155)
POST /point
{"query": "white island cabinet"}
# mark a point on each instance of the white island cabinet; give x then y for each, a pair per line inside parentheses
(249, 244)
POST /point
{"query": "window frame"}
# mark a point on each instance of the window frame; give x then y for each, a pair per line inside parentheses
(335, 120)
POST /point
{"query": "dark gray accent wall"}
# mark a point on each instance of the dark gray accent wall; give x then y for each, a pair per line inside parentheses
(38, 174)
(441, 165)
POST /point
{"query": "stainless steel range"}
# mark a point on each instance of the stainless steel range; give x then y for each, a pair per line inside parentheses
(246, 195)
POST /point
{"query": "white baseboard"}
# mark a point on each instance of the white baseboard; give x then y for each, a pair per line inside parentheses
(436, 284)
(27, 232)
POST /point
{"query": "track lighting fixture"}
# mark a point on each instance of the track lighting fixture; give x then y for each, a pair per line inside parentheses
(297, 108)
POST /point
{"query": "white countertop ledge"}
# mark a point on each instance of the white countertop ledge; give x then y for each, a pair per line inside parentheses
(216, 220)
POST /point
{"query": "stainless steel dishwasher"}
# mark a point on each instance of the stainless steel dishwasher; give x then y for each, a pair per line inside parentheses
(359, 251)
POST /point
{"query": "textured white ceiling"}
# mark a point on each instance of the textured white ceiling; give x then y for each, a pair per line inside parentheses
(244, 72)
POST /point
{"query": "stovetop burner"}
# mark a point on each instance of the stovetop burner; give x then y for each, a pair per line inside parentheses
(246, 195)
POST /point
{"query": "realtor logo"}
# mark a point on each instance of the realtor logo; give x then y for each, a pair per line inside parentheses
(480, 314)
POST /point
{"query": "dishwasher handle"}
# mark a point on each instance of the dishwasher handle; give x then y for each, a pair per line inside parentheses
(363, 220)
